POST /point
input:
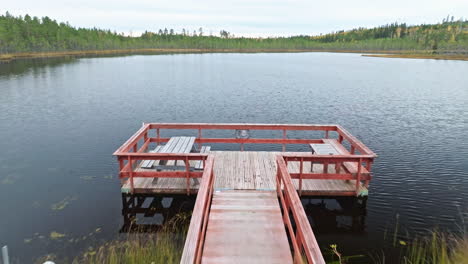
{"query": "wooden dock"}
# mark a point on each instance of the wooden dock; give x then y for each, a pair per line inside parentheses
(247, 208)
(249, 170)
(245, 227)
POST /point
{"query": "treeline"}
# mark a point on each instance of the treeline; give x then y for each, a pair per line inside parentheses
(33, 34)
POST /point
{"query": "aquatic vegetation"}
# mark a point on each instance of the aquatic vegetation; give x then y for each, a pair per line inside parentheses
(9, 179)
(435, 247)
(63, 203)
(56, 235)
(88, 178)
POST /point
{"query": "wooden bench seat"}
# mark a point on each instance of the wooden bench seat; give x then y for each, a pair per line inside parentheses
(148, 164)
(199, 163)
(351, 167)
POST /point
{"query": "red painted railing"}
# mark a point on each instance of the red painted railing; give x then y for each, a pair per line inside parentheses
(302, 238)
(360, 172)
(143, 134)
(128, 164)
(196, 234)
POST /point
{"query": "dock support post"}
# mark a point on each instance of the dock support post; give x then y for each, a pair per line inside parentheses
(6, 259)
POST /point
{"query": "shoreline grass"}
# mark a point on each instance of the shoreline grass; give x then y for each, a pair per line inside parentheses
(165, 246)
(8, 57)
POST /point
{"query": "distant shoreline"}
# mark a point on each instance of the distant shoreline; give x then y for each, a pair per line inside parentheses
(86, 53)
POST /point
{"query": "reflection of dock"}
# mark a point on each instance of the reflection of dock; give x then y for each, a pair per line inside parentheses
(238, 190)
(148, 213)
(336, 215)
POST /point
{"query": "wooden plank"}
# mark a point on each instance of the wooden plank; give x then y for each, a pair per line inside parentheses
(304, 230)
(194, 236)
(323, 149)
(148, 164)
(246, 227)
(351, 167)
(203, 150)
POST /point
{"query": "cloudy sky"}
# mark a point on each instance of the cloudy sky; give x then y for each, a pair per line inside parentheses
(241, 17)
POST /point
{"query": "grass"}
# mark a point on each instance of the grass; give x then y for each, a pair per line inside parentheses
(437, 248)
(165, 246)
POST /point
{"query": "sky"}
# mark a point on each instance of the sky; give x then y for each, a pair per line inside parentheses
(251, 18)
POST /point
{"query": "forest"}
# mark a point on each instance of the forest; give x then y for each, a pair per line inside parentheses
(20, 34)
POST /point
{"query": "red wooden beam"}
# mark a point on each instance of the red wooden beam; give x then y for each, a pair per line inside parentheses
(249, 140)
(231, 126)
(160, 174)
(328, 176)
(133, 139)
(304, 234)
(196, 233)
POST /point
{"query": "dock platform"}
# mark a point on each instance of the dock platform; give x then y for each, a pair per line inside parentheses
(248, 207)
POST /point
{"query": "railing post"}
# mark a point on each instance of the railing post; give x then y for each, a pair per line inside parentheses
(158, 136)
(284, 138)
(358, 178)
(327, 135)
(368, 167)
(199, 138)
(121, 166)
(300, 175)
(130, 165)
(187, 169)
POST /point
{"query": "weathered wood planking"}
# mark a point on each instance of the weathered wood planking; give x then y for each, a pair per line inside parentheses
(246, 227)
(248, 170)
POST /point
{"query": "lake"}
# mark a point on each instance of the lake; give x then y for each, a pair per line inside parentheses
(61, 120)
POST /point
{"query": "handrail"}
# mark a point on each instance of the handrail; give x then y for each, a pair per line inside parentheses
(303, 240)
(361, 163)
(127, 170)
(196, 234)
(143, 133)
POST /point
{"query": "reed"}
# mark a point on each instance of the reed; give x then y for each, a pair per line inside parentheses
(165, 246)
(437, 248)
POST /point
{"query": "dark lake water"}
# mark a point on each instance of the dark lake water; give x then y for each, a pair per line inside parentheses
(61, 120)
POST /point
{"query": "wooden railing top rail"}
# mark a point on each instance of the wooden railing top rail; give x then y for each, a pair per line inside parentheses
(315, 157)
(143, 132)
(164, 156)
(304, 235)
(354, 141)
(196, 232)
(256, 126)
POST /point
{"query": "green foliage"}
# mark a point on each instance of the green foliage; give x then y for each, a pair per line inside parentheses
(165, 246)
(32, 34)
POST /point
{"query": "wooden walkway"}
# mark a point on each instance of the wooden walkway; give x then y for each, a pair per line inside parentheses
(246, 227)
(248, 170)
(248, 207)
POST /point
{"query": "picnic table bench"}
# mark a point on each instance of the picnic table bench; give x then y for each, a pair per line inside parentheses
(333, 147)
(174, 145)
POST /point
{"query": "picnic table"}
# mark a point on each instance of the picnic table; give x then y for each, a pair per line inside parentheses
(174, 145)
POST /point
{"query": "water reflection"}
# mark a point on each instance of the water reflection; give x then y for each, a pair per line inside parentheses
(36, 66)
(339, 215)
(148, 213)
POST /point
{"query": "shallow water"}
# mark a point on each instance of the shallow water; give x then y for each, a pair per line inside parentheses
(61, 119)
